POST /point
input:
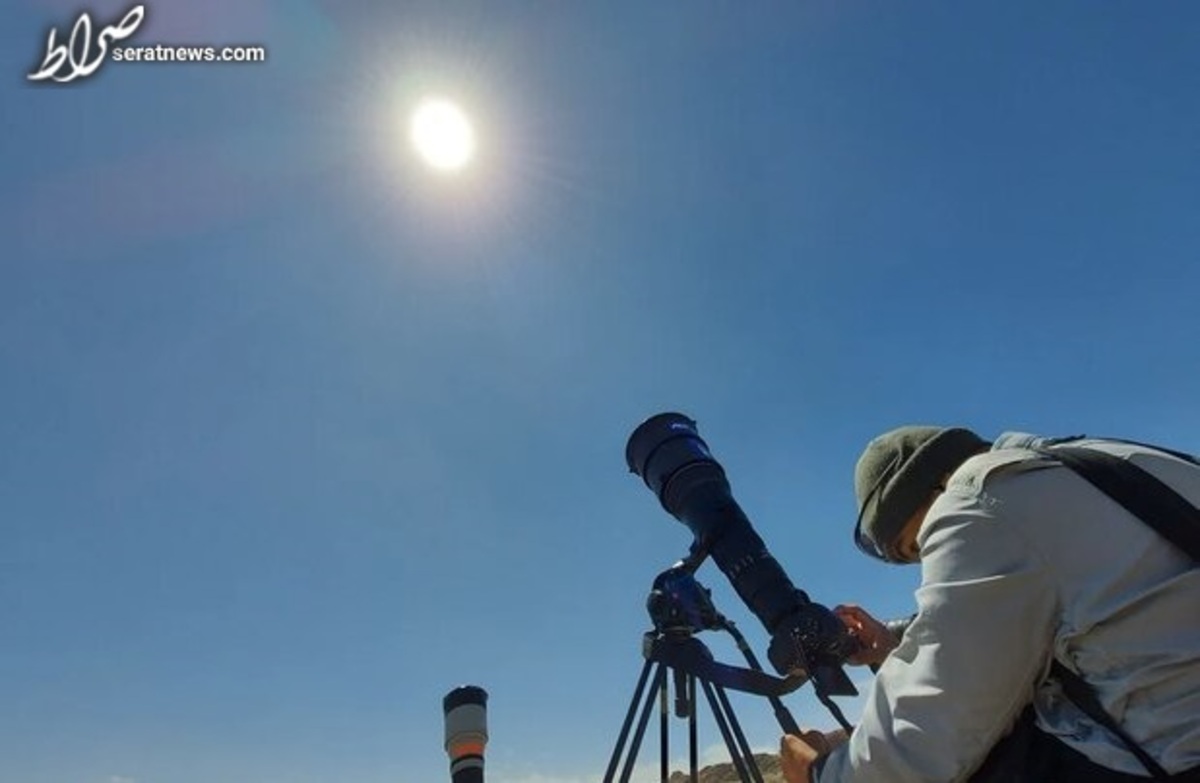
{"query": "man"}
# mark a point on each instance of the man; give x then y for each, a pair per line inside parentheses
(1023, 563)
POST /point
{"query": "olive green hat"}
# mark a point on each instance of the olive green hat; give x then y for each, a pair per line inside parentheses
(897, 473)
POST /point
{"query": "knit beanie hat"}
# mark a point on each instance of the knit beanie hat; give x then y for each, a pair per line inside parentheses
(896, 475)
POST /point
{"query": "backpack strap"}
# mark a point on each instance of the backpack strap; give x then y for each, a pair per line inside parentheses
(1083, 696)
(1177, 454)
(1158, 506)
(1142, 495)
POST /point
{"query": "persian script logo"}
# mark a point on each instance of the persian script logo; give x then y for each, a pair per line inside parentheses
(77, 52)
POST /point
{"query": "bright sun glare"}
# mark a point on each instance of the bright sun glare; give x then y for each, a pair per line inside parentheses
(442, 134)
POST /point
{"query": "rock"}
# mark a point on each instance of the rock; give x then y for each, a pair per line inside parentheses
(768, 765)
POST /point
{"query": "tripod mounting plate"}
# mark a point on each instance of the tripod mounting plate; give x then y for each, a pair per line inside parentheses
(688, 654)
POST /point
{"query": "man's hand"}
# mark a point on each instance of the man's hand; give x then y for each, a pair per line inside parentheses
(798, 753)
(876, 640)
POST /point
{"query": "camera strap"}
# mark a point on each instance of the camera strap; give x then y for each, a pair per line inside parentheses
(1158, 506)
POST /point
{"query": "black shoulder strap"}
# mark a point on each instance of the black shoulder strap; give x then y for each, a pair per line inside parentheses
(1177, 454)
(1142, 495)
(1084, 697)
(1160, 507)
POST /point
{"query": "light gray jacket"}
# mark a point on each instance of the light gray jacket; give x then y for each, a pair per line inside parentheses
(1022, 560)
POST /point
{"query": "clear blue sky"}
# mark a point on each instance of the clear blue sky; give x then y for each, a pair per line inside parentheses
(298, 435)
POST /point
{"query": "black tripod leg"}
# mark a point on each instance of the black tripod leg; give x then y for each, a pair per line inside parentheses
(730, 744)
(693, 761)
(624, 735)
(738, 734)
(784, 716)
(664, 733)
(660, 679)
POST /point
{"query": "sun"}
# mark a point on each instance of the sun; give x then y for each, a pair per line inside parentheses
(442, 134)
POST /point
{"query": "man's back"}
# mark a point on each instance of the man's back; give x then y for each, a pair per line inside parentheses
(1128, 615)
(1023, 561)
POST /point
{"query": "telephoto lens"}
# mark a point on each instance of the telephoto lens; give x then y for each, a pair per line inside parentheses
(669, 455)
(465, 708)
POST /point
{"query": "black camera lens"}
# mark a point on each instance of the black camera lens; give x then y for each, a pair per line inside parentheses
(668, 454)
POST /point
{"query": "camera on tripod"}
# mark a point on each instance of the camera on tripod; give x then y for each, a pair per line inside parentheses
(808, 642)
(807, 639)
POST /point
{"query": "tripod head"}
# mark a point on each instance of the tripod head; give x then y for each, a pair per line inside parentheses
(679, 604)
(681, 607)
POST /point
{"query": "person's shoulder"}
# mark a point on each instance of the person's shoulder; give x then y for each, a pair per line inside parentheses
(1011, 455)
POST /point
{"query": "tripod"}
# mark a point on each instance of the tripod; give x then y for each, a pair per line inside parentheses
(679, 608)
